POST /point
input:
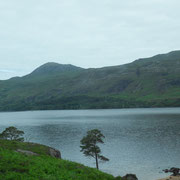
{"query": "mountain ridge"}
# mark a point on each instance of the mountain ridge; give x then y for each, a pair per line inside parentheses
(69, 66)
(147, 82)
(52, 67)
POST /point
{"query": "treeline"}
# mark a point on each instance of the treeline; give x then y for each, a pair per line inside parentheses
(85, 102)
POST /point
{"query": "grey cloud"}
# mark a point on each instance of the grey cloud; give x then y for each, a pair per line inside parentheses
(85, 33)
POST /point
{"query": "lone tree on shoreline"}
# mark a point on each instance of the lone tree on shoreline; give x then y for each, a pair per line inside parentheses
(89, 145)
(12, 133)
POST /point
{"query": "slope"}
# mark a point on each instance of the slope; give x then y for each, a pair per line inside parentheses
(15, 165)
(148, 82)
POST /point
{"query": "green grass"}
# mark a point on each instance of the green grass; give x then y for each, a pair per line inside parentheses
(14, 145)
(18, 166)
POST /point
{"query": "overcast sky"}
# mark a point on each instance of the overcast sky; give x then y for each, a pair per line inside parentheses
(86, 33)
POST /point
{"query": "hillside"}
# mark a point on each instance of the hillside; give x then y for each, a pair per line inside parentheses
(16, 165)
(148, 82)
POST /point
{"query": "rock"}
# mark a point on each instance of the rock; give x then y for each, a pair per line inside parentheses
(166, 170)
(130, 177)
(173, 170)
(54, 153)
(27, 152)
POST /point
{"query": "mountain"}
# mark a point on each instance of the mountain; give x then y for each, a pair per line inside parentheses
(52, 68)
(146, 82)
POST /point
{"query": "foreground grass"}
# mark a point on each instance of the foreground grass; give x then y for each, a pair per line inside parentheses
(14, 145)
(18, 166)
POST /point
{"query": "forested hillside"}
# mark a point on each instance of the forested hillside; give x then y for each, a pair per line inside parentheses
(148, 82)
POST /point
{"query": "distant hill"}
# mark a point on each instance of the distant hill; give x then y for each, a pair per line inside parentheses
(148, 82)
(52, 68)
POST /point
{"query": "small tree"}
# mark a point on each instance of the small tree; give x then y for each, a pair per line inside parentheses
(89, 145)
(12, 133)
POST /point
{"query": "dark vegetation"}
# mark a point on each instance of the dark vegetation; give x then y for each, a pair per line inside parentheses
(12, 133)
(150, 82)
(89, 145)
(173, 170)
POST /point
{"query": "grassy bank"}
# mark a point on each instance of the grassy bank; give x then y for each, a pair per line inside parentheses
(18, 166)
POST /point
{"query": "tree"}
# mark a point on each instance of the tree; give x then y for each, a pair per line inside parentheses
(12, 133)
(89, 145)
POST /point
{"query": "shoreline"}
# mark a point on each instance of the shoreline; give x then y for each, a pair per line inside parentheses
(171, 178)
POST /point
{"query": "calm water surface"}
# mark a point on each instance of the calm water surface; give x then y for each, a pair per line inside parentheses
(140, 141)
